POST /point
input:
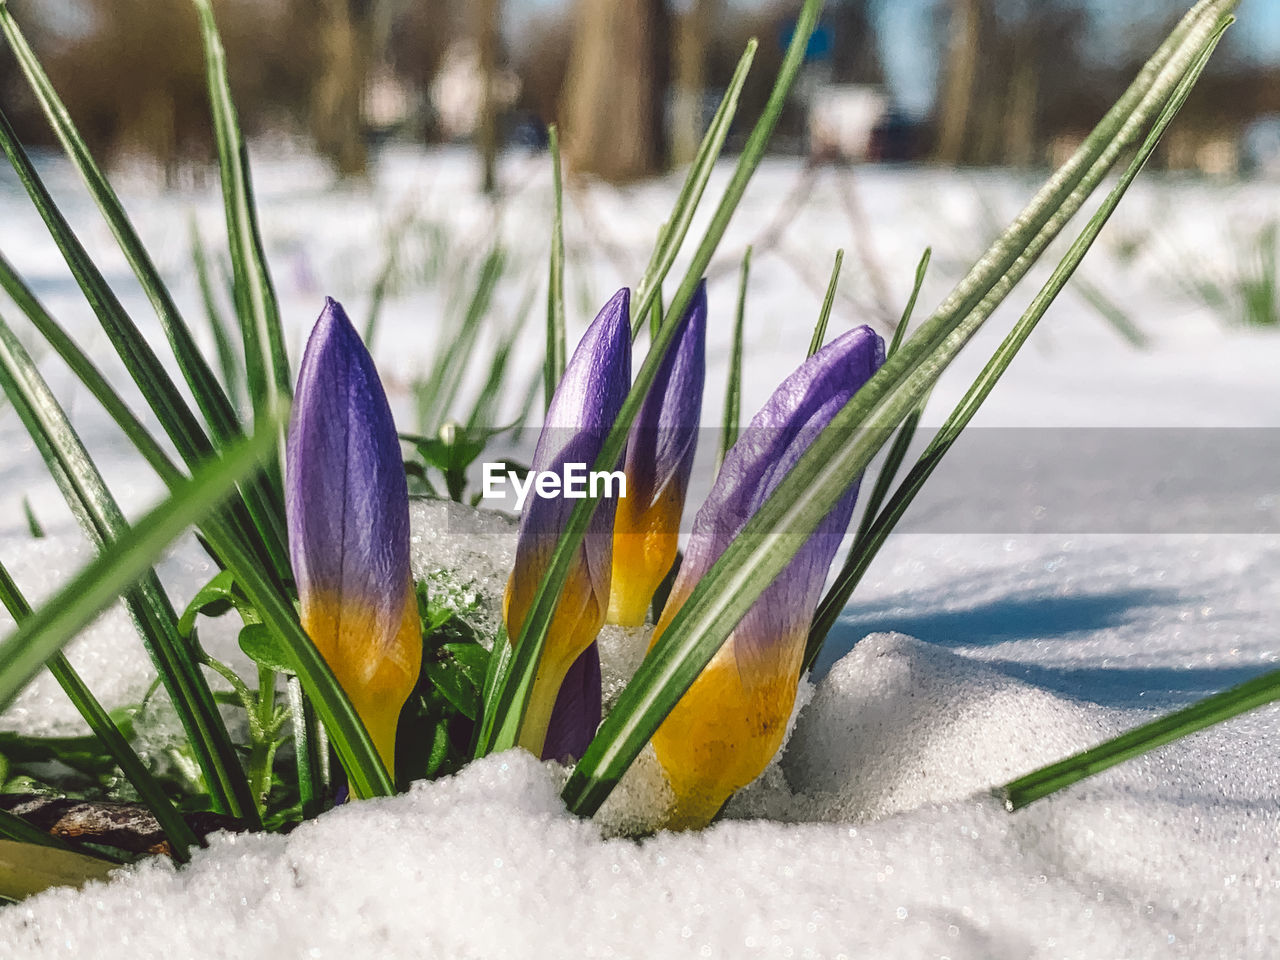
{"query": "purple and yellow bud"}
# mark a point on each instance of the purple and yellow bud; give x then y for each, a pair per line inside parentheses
(348, 516)
(729, 724)
(660, 452)
(579, 417)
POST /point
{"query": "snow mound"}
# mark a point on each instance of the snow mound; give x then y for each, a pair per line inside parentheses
(489, 864)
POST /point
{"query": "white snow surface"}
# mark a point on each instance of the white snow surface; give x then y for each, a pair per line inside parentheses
(965, 659)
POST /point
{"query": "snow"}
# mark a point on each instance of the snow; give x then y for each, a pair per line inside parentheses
(1026, 613)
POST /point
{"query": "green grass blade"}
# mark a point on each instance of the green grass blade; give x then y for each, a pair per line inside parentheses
(438, 393)
(553, 369)
(845, 447)
(251, 523)
(873, 535)
(24, 652)
(266, 361)
(901, 443)
(34, 527)
(1112, 312)
(733, 388)
(900, 330)
(206, 389)
(820, 328)
(229, 362)
(99, 514)
(180, 836)
(347, 733)
(27, 869)
(1201, 714)
(674, 230)
(513, 695)
(14, 827)
(143, 365)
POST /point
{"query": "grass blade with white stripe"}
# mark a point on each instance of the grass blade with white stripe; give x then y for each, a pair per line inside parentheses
(845, 447)
(872, 535)
(733, 387)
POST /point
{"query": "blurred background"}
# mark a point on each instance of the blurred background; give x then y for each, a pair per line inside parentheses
(632, 83)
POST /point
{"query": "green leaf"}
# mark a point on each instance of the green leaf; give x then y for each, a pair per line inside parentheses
(108, 734)
(204, 385)
(845, 447)
(674, 230)
(553, 366)
(24, 652)
(231, 367)
(266, 362)
(873, 535)
(733, 389)
(104, 523)
(820, 329)
(1174, 726)
(454, 686)
(265, 648)
(27, 868)
(213, 600)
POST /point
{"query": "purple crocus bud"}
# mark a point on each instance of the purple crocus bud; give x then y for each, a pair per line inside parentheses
(726, 728)
(660, 453)
(348, 515)
(582, 411)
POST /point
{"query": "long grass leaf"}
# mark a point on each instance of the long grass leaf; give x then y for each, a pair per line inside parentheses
(824, 315)
(733, 387)
(93, 505)
(845, 447)
(27, 869)
(514, 693)
(553, 368)
(873, 535)
(674, 230)
(205, 387)
(230, 362)
(1203, 713)
(180, 836)
(73, 607)
(259, 526)
(266, 361)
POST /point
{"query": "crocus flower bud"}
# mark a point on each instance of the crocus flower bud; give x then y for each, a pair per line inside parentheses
(579, 417)
(660, 453)
(726, 728)
(348, 516)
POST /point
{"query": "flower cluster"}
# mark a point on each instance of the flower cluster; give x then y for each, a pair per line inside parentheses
(348, 527)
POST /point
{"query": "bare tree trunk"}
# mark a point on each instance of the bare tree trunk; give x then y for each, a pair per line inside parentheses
(960, 80)
(689, 82)
(1024, 91)
(486, 12)
(337, 99)
(615, 89)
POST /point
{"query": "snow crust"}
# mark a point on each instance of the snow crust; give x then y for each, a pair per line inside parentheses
(966, 658)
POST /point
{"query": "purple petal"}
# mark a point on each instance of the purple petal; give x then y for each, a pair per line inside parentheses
(577, 711)
(347, 506)
(348, 502)
(582, 411)
(775, 439)
(664, 437)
